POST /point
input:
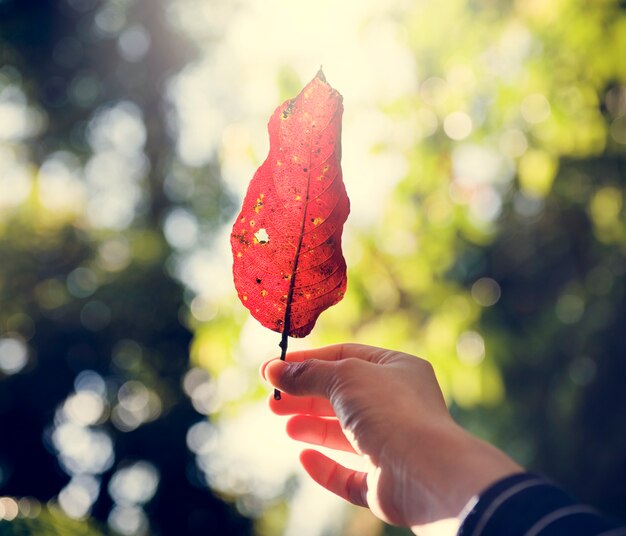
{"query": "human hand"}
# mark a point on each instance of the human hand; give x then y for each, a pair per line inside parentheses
(387, 407)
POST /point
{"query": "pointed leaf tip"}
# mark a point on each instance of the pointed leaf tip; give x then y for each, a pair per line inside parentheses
(320, 75)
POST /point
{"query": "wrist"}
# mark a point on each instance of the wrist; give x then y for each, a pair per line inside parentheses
(448, 467)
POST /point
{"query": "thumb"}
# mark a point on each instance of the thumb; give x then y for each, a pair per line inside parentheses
(303, 378)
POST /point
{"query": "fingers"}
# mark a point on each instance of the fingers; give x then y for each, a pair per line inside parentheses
(349, 484)
(305, 378)
(326, 353)
(318, 431)
(301, 405)
(311, 372)
(337, 352)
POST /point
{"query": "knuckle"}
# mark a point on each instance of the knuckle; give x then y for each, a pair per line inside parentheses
(427, 366)
(347, 367)
(422, 366)
(347, 349)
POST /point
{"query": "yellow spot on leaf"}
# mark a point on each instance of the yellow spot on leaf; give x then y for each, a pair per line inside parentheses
(244, 298)
(251, 223)
(264, 293)
(278, 163)
(317, 221)
(258, 205)
(239, 255)
(298, 198)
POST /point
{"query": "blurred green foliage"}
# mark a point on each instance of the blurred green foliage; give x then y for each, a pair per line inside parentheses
(500, 255)
(51, 522)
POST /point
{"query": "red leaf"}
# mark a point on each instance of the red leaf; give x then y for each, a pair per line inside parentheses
(288, 266)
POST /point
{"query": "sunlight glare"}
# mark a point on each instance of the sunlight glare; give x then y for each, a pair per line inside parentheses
(361, 50)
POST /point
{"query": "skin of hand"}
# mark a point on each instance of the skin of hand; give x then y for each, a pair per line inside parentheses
(386, 406)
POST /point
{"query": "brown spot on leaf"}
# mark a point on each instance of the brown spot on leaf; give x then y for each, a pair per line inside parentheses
(241, 238)
(289, 108)
(326, 269)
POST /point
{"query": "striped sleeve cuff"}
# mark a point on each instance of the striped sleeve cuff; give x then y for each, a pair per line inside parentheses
(529, 505)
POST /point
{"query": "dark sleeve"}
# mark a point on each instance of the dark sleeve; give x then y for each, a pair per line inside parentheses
(529, 505)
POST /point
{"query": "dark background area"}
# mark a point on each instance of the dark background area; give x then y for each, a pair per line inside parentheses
(48, 47)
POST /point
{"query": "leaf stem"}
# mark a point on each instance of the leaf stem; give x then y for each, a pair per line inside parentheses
(284, 342)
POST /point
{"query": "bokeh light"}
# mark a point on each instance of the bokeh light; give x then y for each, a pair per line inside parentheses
(483, 149)
(135, 484)
(77, 497)
(13, 355)
(136, 405)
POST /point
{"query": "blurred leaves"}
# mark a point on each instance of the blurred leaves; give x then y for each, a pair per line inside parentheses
(49, 521)
(485, 154)
(93, 346)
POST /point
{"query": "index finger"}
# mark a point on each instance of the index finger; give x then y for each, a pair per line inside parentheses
(337, 352)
